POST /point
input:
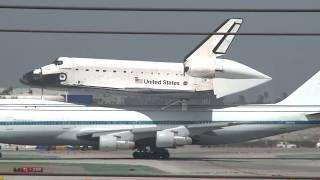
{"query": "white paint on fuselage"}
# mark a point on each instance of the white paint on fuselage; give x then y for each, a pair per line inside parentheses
(129, 75)
(66, 121)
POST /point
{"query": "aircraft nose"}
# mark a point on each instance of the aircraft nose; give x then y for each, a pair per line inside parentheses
(31, 79)
(37, 78)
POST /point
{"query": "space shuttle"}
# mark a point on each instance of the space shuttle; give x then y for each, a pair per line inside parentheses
(201, 71)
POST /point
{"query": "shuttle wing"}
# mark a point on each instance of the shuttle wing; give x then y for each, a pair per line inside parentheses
(224, 87)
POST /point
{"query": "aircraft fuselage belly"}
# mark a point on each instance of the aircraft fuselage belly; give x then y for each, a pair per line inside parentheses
(64, 125)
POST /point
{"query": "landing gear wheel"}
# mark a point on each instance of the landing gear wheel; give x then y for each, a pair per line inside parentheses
(138, 155)
(166, 155)
(159, 153)
(148, 155)
(157, 156)
(134, 155)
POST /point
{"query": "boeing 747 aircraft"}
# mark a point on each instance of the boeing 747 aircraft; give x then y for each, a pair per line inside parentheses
(202, 71)
(151, 132)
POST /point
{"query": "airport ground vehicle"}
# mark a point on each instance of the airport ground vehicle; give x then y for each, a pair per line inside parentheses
(286, 145)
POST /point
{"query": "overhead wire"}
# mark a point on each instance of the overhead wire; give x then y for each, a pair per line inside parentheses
(151, 9)
(184, 9)
(18, 30)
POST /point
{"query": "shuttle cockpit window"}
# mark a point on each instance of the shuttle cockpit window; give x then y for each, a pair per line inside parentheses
(57, 62)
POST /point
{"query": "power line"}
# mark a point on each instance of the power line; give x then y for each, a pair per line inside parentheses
(153, 32)
(151, 9)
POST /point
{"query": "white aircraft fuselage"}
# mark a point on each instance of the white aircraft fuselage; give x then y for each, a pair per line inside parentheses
(47, 122)
(128, 75)
(62, 123)
(142, 76)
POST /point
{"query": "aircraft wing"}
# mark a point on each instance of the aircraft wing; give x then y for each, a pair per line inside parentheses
(149, 132)
(197, 129)
(313, 116)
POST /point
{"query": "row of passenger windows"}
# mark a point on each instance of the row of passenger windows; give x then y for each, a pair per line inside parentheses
(97, 70)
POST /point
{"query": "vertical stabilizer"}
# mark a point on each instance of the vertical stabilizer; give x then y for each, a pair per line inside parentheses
(307, 94)
(216, 44)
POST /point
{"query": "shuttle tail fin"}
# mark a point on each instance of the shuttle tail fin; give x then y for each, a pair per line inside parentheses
(307, 94)
(216, 44)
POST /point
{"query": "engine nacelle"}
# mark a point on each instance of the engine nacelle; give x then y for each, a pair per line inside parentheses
(167, 139)
(112, 143)
(202, 68)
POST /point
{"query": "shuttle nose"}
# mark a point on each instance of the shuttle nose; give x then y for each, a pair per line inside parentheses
(31, 79)
(37, 78)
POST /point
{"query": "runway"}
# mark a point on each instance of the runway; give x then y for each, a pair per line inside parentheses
(191, 161)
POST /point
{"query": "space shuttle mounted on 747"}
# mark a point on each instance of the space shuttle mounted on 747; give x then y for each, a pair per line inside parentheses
(152, 132)
(201, 71)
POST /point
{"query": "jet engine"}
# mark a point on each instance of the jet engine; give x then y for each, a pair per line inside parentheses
(167, 139)
(112, 142)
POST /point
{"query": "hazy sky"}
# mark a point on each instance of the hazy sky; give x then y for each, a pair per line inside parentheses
(288, 60)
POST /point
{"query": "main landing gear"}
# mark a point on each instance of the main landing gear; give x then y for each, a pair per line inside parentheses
(158, 153)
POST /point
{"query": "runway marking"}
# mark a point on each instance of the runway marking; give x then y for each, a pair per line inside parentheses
(167, 176)
(225, 164)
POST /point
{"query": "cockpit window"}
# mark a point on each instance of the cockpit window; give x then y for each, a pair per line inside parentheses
(57, 62)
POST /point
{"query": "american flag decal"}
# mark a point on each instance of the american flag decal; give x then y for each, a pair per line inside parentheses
(138, 81)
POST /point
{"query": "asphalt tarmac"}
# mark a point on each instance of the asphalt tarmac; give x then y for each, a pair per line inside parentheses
(191, 161)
